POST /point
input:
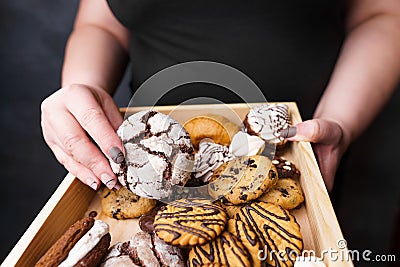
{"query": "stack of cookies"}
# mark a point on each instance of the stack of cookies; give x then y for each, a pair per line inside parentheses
(259, 233)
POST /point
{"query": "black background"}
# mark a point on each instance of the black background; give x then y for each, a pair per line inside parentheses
(32, 39)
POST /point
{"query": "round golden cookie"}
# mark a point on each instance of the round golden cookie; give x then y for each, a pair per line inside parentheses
(286, 193)
(277, 228)
(243, 179)
(189, 222)
(226, 250)
(123, 204)
(216, 127)
(230, 208)
(248, 238)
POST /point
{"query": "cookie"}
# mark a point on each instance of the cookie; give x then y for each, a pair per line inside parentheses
(285, 168)
(216, 127)
(226, 250)
(189, 222)
(146, 221)
(158, 154)
(286, 193)
(244, 144)
(209, 157)
(243, 179)
(83, 244)
(267, 121)
(123, 204)
(277, 229)
(144, 249)
(229, 208)
(248, 238)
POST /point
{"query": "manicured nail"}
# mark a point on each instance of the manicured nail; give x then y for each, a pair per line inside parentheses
(94, 185)
(116, 155)
(109, 181)
(289, 132)
(117, 186)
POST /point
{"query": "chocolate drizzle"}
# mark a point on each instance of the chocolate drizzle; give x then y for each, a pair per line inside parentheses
(269, 221)
(200, 219)
(146, 221)
(226, 250)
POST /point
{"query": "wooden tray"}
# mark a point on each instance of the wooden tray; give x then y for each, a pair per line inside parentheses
(72, 199)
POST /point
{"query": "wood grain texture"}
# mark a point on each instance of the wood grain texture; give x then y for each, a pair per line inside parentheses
(72, 199)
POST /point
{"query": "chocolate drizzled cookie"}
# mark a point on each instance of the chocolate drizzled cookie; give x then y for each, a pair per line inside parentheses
(248, 238)
(277, 228)
(225, 250)
(189, 222)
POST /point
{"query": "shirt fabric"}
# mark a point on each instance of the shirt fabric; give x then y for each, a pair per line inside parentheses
(287, 47)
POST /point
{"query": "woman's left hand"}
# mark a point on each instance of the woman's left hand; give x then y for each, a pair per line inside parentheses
(329, 144)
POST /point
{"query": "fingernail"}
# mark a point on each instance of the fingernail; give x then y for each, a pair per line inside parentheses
(94, 185)
(109, 181)
(289, 132)
(117, 186)
(116, 155)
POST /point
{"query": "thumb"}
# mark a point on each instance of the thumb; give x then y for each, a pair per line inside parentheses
(317, 131)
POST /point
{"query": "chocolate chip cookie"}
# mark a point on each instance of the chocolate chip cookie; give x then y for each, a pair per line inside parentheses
(226, 250)
(123, 204)
(189, 222)
(243, 179)
(277, 228)
(286, 193)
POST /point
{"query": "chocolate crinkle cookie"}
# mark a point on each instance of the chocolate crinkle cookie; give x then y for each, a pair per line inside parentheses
(158, 154)
(144, 249)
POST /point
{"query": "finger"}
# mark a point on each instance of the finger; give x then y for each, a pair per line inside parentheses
(75, 168)
(328, 163)
(92, 118)
(318, 131)
(112, 113)
(74, 142)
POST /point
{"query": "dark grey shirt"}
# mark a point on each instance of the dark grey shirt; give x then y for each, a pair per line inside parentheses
(288, 47)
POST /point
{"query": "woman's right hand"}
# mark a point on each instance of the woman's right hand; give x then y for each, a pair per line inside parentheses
(68, 117)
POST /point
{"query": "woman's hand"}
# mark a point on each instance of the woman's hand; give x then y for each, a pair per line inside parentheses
(68, 117)
(329, 143)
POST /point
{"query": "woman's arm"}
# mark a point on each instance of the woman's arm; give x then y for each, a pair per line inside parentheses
(95, 59)
(97, 49)
(365, 76)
